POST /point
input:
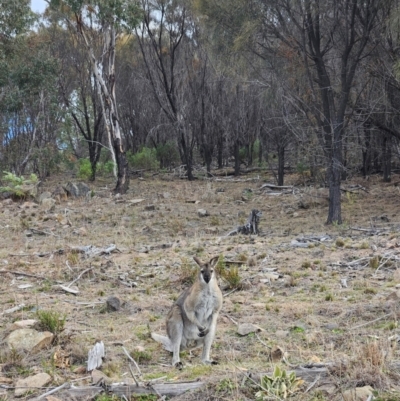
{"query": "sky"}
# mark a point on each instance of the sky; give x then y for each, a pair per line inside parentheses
(38, 5)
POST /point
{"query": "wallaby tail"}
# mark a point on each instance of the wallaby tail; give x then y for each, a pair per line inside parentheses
(164, 340)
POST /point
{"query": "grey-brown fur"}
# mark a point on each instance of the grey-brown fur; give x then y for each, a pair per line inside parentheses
(193, 316)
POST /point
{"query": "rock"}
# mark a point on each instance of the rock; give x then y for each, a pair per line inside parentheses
(246, 328)
(166, 195)
(48, 205)
(149, 208)
(26, 385)
(113, 304)
(77, 190)
(60, 194)
(395, 296)
(358, 394)
(29, 340)
(43, 196)
(23, 324)
(99, 377)
(82, 231)
(202, 213)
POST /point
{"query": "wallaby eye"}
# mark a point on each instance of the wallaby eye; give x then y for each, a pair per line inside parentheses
(202, 270)
(212, 270)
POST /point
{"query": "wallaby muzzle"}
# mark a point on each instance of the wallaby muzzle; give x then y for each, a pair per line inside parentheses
(206, 277)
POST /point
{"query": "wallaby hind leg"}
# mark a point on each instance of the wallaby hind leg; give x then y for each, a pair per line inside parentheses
(208, 339)
(175, 334)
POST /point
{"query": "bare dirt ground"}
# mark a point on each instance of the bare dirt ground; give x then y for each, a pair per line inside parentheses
(332, 301)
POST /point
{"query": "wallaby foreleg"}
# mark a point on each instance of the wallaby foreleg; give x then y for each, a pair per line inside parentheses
(203, 331)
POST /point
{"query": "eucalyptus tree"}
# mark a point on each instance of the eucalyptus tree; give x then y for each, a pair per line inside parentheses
(28, 99)
(78, 94)
(109, 20)
(330, 38)
(163, 34)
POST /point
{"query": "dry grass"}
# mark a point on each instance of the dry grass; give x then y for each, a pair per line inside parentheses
(306, 311)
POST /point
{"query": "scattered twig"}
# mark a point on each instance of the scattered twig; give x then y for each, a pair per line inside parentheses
(66, 384)
(12, 310)
(22, 274)
(312, 384)
(370, 322)
(231, 319)
(133, 375)
(85, 271)
(230, 292)
(132, 360)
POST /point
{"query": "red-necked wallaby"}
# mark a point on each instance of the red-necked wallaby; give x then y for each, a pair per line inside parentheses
(193, 316)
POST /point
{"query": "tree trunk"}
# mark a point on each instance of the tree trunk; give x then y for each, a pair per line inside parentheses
(236, 149)
(334, 176)
(123, 173)
(386, 158)
(220, 152)
(281, 164)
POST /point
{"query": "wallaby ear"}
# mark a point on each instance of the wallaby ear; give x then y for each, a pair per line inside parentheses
(198, 261)
(214, 261)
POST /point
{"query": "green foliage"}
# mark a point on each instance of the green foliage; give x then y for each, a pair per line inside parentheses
(281, 385)
(229, 274)
(15, 184)
(167, 154)
(145, 159)
(51, 320)
(85, 169)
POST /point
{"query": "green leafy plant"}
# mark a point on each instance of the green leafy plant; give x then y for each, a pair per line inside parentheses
(51, 320)
(229, 274)
(85, 169)
(167, 154)
(281, 385)
(16, 185)
(145, 159)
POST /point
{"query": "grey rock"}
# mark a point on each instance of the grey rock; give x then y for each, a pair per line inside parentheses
(358, 393)
(246, 328)
(29, 383)
(113, 304)
(202, 213)
(29, 340)
(43, 196)
(77, 190)
(48, 204)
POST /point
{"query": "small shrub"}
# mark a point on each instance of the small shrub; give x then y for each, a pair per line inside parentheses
(188, 272)
(280, 385)
(85, 169)
(15, 185)
(167, 154)
(374, 262)
(51, 320)
(141, 356)
(339, 243)
(145, 159)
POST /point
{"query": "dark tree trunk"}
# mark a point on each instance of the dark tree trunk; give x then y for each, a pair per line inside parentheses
(281, 164)
(220, 152)
(123, 171)
(187, 156)
(367, 156)
(386, 158)
(334, 176)
(236, 149)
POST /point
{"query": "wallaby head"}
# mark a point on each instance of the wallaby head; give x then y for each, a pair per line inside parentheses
(206, 269)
